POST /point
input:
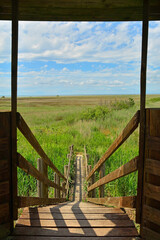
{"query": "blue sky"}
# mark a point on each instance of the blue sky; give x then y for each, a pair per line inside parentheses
(78, 58)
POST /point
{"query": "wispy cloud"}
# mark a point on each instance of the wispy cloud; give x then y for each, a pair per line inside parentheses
(93, 56)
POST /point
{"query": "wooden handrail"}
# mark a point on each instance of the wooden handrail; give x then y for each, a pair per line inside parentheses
(30, 169)
(32, 201)
(25, 130)
(128, 130)
(120, 202)
(124, 170)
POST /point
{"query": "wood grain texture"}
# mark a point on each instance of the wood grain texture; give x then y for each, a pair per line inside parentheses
(14, 77)
(31, 170)
(149, 234)
(151, 214)
(32, 201)
(42, 188)
(151, 184)
(152, 166)
(85, 10)
(124, 170)
(25, 130)
(71, 216)
(71, 238)
(90, 232)
(128, 130)
(75, 223)
(6, 218)
(124, 202)
(152, 191)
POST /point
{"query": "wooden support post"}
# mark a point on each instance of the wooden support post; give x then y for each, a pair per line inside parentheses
(42, 188)
(14, 71)
(91, 181)
(93, 192)
(101, 174)
(57, 181)
(142, 111)
(65, 170)
(63, 193)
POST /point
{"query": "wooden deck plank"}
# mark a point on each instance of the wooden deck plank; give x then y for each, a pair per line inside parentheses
(70, 238)
(57, 216)
(74, 220)
(75, 223)
(76, 210)
(92, 232)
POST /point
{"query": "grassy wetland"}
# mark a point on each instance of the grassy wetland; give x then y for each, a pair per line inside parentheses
(94, 121)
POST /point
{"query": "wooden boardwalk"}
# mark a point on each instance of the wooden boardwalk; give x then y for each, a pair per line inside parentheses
(74, 220)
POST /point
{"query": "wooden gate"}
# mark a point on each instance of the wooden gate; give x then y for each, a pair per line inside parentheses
(5, 174)
(150, 227)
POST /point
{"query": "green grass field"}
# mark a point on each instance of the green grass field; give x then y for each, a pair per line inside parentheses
(94, 121)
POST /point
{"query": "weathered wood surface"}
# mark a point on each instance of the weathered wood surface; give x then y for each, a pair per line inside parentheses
(25, 130)
(79, 221)
(150, 224)
(101, 175)
(152, 191)
(152, 214)
(14, 77)
(152, 166)
(86, 160)
(75, 219)
(128, 130)
(124, 170)
(31, 170)
(6, 218)
(75, 210)
(42, 188)
(85, 10)
(71, 216)
(124, 202)
(71, 238)
(150, 234)
(153, 143)
(90, 232)
(32, 201)
(68, 171)
(75, 223)
(57, 182)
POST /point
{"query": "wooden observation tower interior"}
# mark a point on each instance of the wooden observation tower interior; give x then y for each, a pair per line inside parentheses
(79, 220)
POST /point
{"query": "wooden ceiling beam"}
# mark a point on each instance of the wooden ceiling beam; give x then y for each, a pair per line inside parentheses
(79, 10)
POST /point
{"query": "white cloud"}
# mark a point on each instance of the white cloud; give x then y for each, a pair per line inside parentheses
(76, 42)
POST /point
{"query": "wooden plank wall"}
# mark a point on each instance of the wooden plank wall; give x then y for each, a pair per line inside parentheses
(5, 174)
(150, 227)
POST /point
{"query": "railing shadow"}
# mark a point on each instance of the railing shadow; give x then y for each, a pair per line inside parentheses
(69, 220)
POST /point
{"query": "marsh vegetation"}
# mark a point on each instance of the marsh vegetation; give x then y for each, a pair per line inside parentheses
(93, 121)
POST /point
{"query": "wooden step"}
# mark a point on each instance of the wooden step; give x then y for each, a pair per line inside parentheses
(71, 216)
(88, 231)
(70, 238)
(76, 223)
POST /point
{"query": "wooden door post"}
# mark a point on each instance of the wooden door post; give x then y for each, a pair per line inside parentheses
(142, 111)
(14, 70)
(101, 174)
(42, 188)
